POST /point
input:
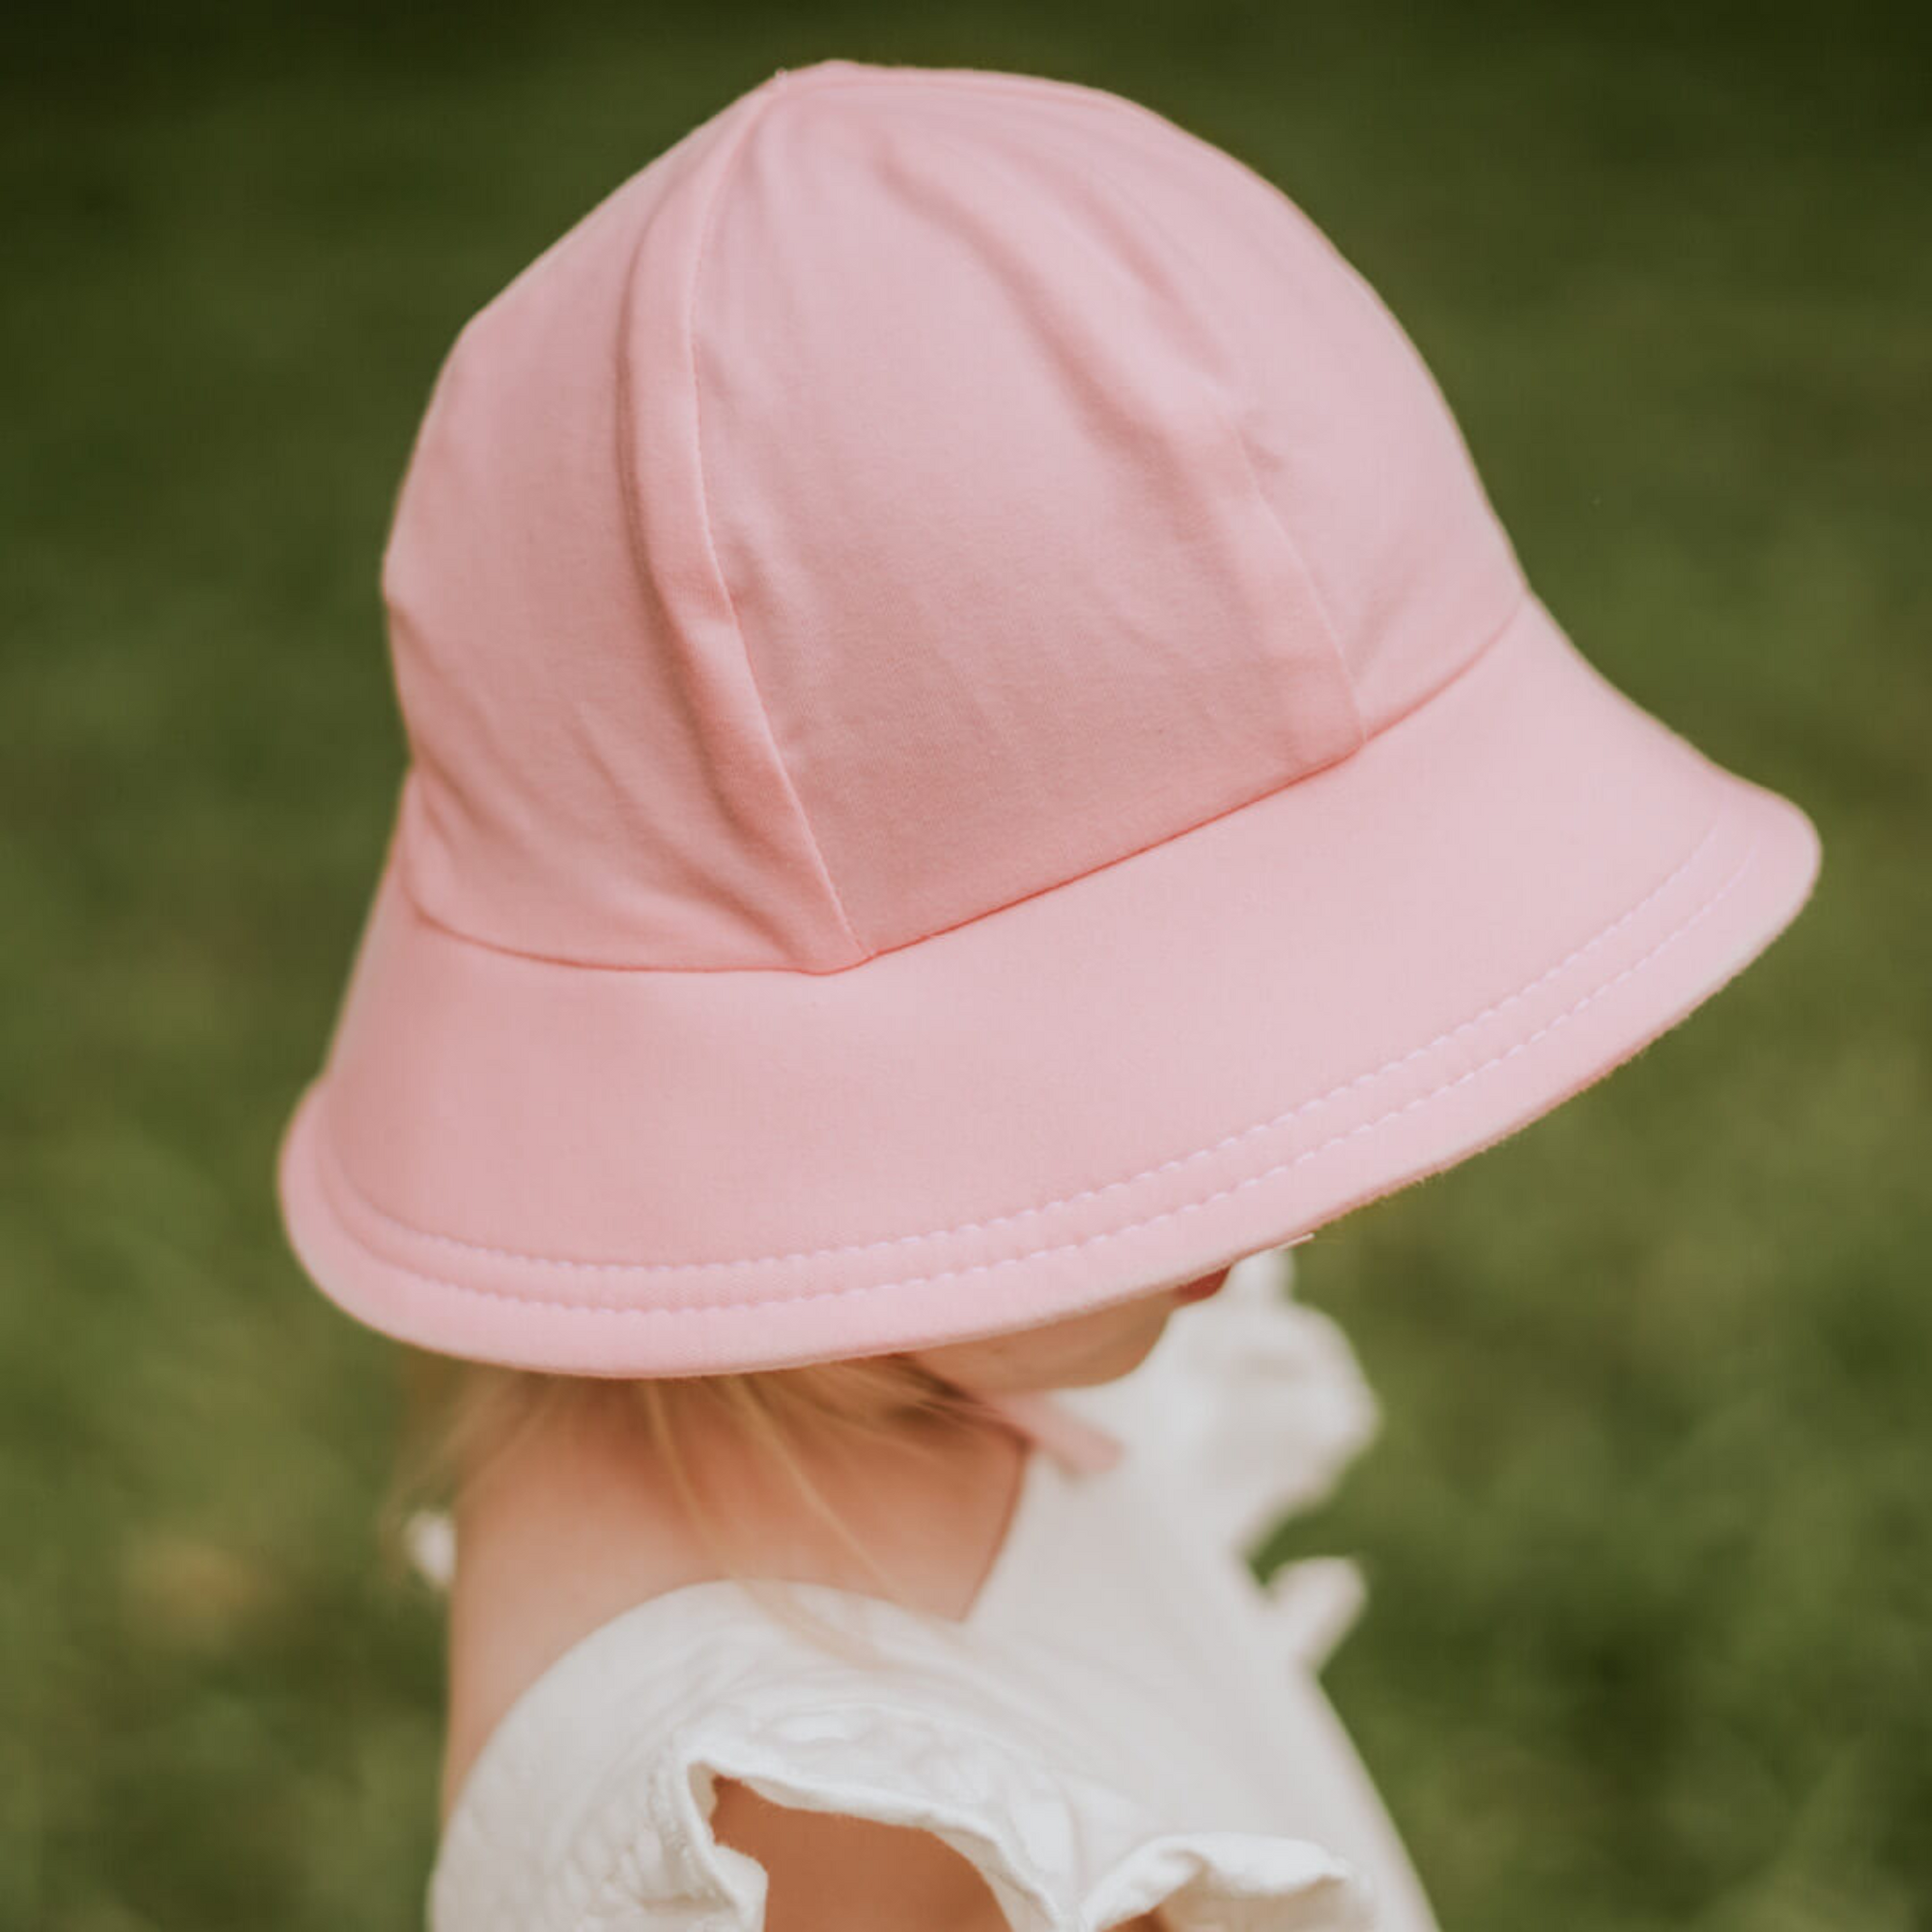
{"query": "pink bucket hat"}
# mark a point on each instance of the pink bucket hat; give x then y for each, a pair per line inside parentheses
(976, 750)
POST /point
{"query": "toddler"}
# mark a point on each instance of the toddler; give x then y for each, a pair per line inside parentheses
(980, 765)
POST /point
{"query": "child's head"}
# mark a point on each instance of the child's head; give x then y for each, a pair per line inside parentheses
(730, 1448)
(977, 749)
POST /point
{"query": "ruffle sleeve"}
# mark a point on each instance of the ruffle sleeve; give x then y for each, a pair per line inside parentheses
(591, 1805)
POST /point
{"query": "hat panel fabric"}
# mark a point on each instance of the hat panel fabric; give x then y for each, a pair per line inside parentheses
(1015, 603)
(1352, 438)
(594, 778)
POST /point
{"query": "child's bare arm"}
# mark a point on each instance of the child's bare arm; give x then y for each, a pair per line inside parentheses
(829, 1873)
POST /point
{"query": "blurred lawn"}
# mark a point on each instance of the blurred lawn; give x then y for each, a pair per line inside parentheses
(1648, 1528)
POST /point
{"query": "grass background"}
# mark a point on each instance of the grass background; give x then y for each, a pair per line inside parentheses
(1648, 1527)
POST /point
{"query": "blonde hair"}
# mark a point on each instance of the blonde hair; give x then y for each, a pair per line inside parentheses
(460, 1416)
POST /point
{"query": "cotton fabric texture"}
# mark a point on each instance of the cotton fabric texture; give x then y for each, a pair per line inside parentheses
(1124, 1719)
(977, 749)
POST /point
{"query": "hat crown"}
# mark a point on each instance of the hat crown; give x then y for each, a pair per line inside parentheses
(913, 490)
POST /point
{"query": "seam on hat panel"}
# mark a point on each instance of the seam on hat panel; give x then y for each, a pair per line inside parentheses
(1521, 584)
(1178, 250)
(1462, 671)
(639, 1269)
(727, 167)
(1082, 97)
(1380, 315)
(1372, 302)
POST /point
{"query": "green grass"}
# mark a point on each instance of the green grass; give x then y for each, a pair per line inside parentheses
(1648, 1528)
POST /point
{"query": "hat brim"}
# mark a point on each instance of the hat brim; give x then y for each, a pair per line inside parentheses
(1201, 1050)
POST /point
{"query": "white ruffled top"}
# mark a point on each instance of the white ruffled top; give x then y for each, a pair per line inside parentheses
(1124, 1720)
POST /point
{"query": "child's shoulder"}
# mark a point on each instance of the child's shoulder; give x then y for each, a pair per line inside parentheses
(572, 1526)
